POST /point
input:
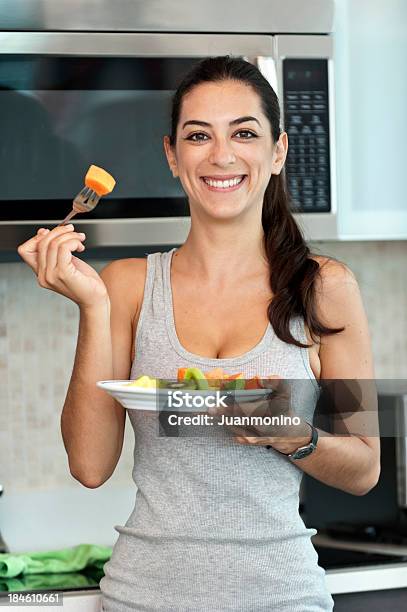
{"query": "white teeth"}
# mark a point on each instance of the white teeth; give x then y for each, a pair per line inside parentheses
(223, 184)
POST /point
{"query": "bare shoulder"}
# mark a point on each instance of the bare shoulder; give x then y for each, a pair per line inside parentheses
(337, 293)
(121, 270)
(339, 304)
(124, 279)
(333, 272)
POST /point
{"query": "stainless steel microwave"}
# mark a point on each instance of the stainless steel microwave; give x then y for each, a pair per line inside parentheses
(78, 89)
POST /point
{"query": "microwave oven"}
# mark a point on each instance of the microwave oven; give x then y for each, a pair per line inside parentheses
(78, 89)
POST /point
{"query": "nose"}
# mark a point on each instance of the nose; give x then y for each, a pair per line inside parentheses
(221, 153)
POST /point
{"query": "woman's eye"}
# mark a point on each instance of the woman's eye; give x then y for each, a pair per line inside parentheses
(191, 137)
(247, 132)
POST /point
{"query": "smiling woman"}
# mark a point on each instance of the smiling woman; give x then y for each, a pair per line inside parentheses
(216, 524)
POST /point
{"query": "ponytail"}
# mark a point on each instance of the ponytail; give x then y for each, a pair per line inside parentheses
(293, 273)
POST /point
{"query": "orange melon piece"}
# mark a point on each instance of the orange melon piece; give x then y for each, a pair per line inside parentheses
(214, 374)
(253, 383)
(214, 377)
(99, 180)
(232, 376)
(181, 374)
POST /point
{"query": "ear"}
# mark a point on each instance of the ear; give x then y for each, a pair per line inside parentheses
(172, 160)
(279, 153)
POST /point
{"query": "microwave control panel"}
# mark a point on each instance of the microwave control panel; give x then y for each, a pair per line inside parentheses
(306, 119)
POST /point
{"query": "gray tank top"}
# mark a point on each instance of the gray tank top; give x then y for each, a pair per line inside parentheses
(216, 524)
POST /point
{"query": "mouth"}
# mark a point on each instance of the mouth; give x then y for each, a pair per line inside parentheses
(224, 184)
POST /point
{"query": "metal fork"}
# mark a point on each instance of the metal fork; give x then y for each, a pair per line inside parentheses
(85, 201)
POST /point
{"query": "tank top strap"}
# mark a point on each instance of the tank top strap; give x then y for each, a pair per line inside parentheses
(298, 330)
(153, 292)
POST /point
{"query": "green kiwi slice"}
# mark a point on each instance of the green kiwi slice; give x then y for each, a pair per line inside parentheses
(198, 376)
(175, 385)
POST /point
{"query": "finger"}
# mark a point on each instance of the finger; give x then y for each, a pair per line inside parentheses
(54, 246)
(44, 244)
(255, 440)
(43, 231)
(240, 439)
(55, 278)
(28, 250)
(64, 257)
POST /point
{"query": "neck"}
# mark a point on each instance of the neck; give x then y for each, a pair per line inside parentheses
(213, 249)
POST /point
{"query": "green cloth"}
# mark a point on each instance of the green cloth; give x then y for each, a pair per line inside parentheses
(54, 562)
(40, 582)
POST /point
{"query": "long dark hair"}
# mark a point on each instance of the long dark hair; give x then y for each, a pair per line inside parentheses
(293, 273)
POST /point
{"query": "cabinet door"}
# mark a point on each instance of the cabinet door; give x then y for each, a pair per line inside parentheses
(371, 102)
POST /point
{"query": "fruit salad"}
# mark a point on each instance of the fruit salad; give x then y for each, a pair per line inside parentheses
(195, 379)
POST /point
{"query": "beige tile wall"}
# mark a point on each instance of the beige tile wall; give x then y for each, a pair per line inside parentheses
(38, 333)
(37, 343)
(381, 270)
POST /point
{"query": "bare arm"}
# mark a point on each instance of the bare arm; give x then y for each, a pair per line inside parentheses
(346, 459)
(92, 422)
(348, 462)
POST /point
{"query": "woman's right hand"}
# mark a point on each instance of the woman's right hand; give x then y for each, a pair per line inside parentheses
(49, 255)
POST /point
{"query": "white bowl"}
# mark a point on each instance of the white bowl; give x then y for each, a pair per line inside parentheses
(141, 398)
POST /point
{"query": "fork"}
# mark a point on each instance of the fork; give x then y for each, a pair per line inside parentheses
(84, 201)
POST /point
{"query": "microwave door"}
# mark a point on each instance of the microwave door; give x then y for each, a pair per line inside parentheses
(306, 86)
(102, 99)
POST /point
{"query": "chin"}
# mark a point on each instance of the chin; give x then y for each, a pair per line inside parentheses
(223, 212)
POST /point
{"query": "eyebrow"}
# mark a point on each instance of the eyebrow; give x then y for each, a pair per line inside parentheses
(234, 122)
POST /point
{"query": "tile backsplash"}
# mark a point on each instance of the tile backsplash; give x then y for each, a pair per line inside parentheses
(38, 331)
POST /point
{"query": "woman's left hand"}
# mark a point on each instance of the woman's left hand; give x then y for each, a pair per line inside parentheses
(285, 434)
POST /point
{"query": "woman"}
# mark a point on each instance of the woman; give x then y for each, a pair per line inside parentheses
(216, 523)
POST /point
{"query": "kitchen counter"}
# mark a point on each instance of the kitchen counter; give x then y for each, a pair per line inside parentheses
(367, 578)
(367, 575)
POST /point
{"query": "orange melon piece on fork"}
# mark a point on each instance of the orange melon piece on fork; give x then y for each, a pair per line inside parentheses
(99, 180)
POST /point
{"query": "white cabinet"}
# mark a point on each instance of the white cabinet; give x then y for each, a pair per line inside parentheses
(371, 118)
